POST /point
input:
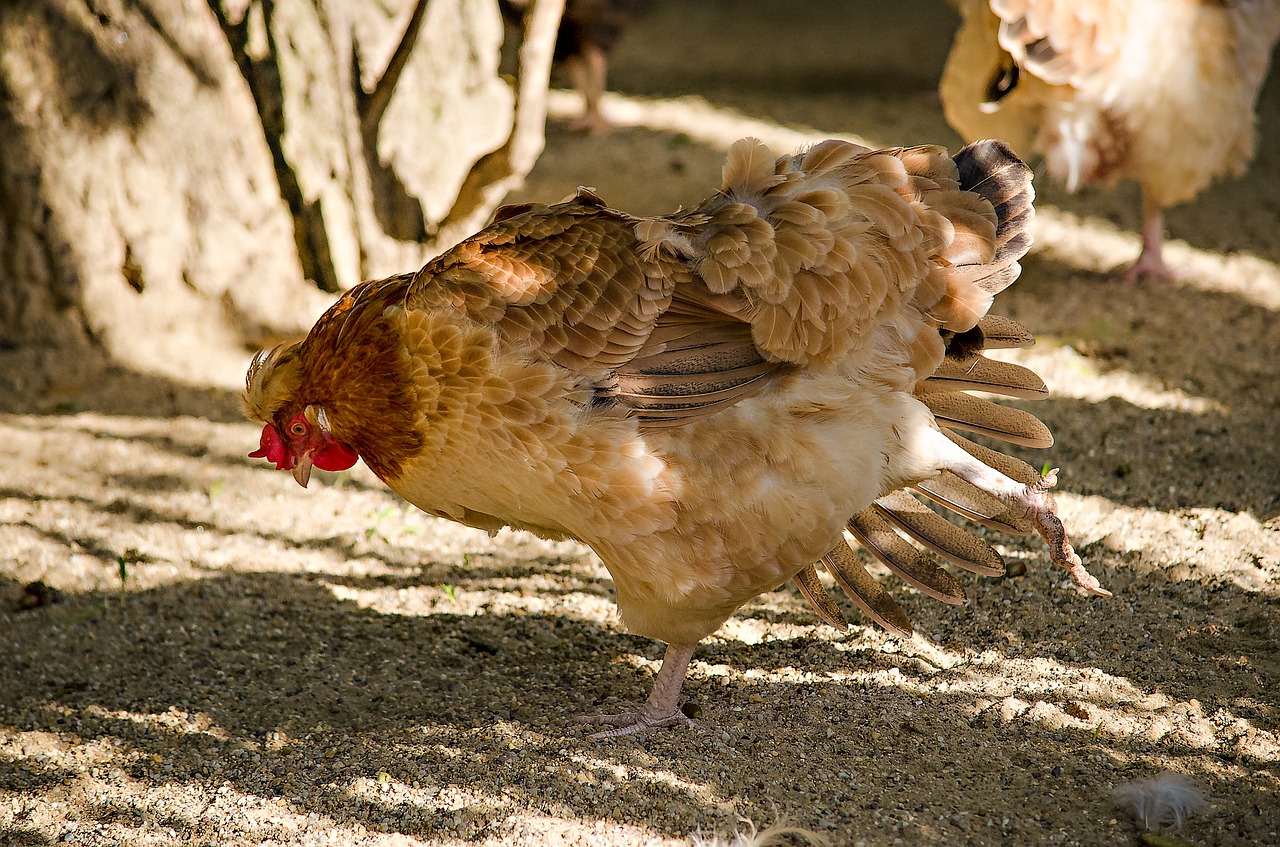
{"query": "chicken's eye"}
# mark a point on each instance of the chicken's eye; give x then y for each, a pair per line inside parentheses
(298, 428)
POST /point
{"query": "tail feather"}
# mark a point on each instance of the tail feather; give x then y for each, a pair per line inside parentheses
(938, 535)
(978, 373)
(969, 501)
(816, 593)
(914, 567)
(869, 595)
(990, 170)
(958, 410)
(1001, 333)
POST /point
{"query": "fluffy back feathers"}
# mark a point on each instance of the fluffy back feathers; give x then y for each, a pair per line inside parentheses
(828, 245)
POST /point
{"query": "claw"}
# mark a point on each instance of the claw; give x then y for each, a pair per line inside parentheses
(1150, 268)
(662, 708)
(1042, 511)
(632, 723)
(1032, 500)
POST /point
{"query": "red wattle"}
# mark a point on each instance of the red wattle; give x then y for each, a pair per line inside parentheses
(334, 457)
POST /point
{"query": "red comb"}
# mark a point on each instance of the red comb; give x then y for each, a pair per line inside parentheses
(271, 448)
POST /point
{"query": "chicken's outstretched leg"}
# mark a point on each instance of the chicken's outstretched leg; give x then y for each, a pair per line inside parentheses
(1033, 501)
(663, 706)
(589, 73)
(1151, 263)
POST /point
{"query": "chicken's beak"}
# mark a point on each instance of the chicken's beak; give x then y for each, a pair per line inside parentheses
(302, 470)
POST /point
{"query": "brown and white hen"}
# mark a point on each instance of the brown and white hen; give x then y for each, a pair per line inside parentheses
(1158, 91)
(707, 399)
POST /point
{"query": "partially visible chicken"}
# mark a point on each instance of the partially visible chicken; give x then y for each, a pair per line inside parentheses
(1158, 91)
(588, 31)
(706, 399)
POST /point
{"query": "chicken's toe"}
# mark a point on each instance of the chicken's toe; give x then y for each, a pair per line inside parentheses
(663, 706)
(633, 723)
(1150, 267)
(1042, 512)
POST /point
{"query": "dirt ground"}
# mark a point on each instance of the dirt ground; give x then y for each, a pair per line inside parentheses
(233, 660)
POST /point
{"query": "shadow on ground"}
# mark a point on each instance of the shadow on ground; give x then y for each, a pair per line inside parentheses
(303, 697)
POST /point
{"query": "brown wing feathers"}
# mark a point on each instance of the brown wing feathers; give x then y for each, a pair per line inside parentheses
(697, 362)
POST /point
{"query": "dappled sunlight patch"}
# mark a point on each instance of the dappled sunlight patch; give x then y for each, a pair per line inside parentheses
(1215, 544)
(461, 812)
(595, 773)
(173, 721)
(584, 775)
(1091, 244)
(754, 630)
(178, 500)
(1110, 711)
(481, 597)
(570, 829)
(695, 118)
(107, 791)
(1070, 374)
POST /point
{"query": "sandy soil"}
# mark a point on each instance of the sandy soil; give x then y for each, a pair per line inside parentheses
(232, 660)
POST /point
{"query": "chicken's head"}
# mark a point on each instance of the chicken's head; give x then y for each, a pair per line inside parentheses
(296, 435)
(304, 441)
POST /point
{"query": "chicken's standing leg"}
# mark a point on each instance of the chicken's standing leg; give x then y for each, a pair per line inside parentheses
(1033, 501)
(588, 71)
(663, 706)
(1150, 263)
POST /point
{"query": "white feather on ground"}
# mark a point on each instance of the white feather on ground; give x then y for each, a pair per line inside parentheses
(1161, 801)
(779, 834)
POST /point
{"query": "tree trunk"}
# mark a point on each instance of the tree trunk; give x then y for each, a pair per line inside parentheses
(179, 179)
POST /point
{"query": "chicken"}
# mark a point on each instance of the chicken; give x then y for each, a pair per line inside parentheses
(588, 31)
(1158, 91)
(706, 399)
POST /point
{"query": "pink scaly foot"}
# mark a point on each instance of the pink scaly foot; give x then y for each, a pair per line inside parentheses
(1033, 501)
(1039, 508)
(1150, 265)
(663, 706)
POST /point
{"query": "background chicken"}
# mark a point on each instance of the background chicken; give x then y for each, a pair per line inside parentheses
(707, 399)
(588, 31)
(1158, 91)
